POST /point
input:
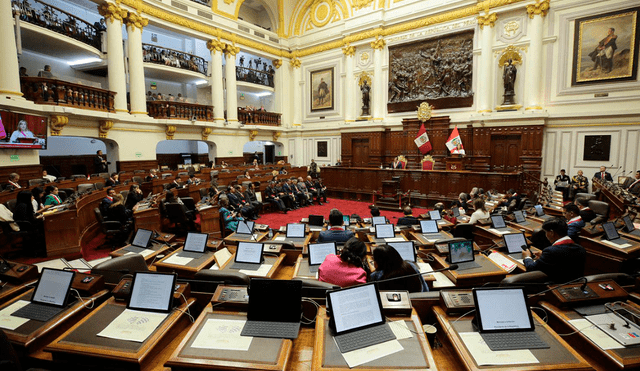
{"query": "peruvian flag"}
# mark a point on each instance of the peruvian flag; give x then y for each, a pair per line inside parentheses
(422, 140)
(454, 143)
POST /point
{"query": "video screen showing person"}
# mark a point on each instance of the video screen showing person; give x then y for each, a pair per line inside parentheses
(18, 130)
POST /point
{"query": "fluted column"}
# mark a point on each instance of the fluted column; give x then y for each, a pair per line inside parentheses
(533, 74)
(137, 95)
(230, 74)
(378, 80)
(279, 88)
(350, 90)
(217, 91)
(485, 76)
(114, 15)
(297, 92)
(9, 74)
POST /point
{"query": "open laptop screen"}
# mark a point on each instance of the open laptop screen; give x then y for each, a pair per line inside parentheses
(498, 221)
(295, 230)
(610, 231)
(274, 300)
(461, 251)
(429, 226)
(539, 211)
(405, 249)
(319, 251)
(375, 220)
(142, 238)
(53, 287)
(385, 231)
(245, 227)
(456, 211)
(502, 309)
(346, 220)
(628, 223)
(519, 216)
(355, 308)
(152, 291)
(514, 242)
(249, 252)
(195, 242)
(317, 220)
(435, 215)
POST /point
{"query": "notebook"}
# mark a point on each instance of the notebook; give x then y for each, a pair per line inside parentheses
(631, 229)
(514, 243)
(520, 218)
(318, 252)
(611, 234)
(194, 245)
(50, 296)
(152, 292)
(430, 230)
(248, 256)
(461, 253)
(504, 319)
(295, 230)
(245, 227)
(140, 241)
(385, 231)
(375, 220)
(316, 222)
(497, 222)
(274, 309)
(356, 318)
(406, 250)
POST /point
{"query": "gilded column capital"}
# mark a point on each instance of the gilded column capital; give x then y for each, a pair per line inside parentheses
(487, 20)
(112, 12)
(216, 45)
(276, 135)
(378, 43)
(277, 63)
(57, 124)
(105, 126)
(170, 131)
(295, 63)
(540, 8)
(232, 50)
(205, 132)
(134, 21)
(253, 134)
(349, 50)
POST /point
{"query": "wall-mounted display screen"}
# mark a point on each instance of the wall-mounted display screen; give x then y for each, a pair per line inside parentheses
(18, 130)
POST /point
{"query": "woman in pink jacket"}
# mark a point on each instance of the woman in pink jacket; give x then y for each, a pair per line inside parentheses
(348, 269)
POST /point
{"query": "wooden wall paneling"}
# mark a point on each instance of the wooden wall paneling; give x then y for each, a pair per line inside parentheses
(26, 172)
(130, 166)
(69, 165)
(230, 160)
(480, 156)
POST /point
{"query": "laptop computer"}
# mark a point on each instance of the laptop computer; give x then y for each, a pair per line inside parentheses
(504, 319)
(611, 234)
(430, 230)
(248, 256)
(514, 243)
(194, 245)
(152, 292)
(274, 309)
(295, 231)
(497, 223)
(628, 224)
(316, 222)
(461, 253)
(520, 218)
(375, 220)
(140, 241)
(356, 318)
(318, 252)
(385, 232)
(406, 250)
(540, 212)
(50, 296)
(435, 215)
(245, 227)
(456, 211)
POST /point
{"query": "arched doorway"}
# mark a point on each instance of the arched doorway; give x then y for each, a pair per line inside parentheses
(267, 151)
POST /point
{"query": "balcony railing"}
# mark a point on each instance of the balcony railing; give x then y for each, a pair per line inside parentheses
(173, 58)
(57, 20)
(179, 111)
(43, 90)
(255, 76)
(202, 2)
(250, 117)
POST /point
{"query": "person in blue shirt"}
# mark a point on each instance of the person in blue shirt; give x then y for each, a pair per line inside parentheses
(336, 231)
(230, 218)
(389, 264)
(574, 220)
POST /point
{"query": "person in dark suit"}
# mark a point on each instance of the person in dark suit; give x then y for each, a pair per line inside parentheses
(408, 218)
(295, 194)
(603, 174)
(633, 184)
(512, 199)
(14, 179)
(562, 184)
(585, 212)
(336, 232)
(247, 209)
(322, 190)
(100, 164)
(574, 221)
(153, 174)
(563, 261)
(284, 196)
(271, 195)
(175, 184)
(23, 212)
(312, 189)
(106, 202)
(250, 196)
(113, 180)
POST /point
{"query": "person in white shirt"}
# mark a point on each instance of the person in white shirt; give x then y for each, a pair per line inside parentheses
(21, 132)
(48, 177)
(480, 213)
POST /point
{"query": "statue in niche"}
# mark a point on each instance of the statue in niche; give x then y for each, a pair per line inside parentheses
(509, 79)
(365, 89)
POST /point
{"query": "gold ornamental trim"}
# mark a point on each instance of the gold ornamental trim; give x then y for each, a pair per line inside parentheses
(510, 52)
(104, 127)
(216, 45)
(378, 43)
(231, 50)
(295, 63)
(487, 20)
(135, 21)
(112, 12)
(276, 135)
(349, 50)
(205, 132)
(277, 63)
(364, 76)
(170, 131)
(425, 111)
(253, 134)
(57, 123)
(540, 8)
(359, 4)
(10, 92)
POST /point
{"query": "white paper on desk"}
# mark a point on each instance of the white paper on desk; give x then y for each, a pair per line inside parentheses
(371, 353)
(493, 230)
(80, 265)
(178, 260)
(400, 330)
(484, 356)
(261, 272)
(394, 239)
(504, 262)
(133, 325)
(280, 238)
(222, 334)
(621, 246)
(145, 252)
(9, 322)
(597, 336)
(441, 280)
(214, 267)
(54, 264)
(222, 256)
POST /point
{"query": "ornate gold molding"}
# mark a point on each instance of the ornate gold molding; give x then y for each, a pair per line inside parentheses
(364, 76)
(134, 21)
(487, 20)
(112, 12)
(104, 128)
(205, 132)
(170, 131)
(425, 110)
(510, 52)
(276, 135)
(349, 50)
(378, 43)
(232, 50)
(253, 134)
(216, 45)
(57, 123)
(359, 4)
(277, 63)
(540, 8)
(228, 2)
(295, 63)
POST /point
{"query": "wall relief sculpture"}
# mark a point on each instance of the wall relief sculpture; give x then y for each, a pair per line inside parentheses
(438, 71)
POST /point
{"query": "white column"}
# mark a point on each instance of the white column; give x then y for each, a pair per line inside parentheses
(137, 94)
(350, 105)
(232, 91)
(217, 91)
(297, 92)
(115, 62)
(279, 89)
(485, 77)
(378, 80)
(9, 68)
(533, 74)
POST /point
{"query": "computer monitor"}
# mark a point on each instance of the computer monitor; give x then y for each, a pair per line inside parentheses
(610, 231)
(502, 310)
(519, 215)
(317, 220)
(498, 221)
(539, 210)
(406, 250)
(295, 230)
(142, 238)
(346, 220)
(628, 223)
(461, 252)
(195, 242)
(245, 227)
(152, 292)
(429, 226)
(375, 220)
(514, 242)
(456, 211)
(385, 231)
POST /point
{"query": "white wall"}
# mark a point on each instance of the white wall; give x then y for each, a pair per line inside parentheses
(35, 62)
(72, 146)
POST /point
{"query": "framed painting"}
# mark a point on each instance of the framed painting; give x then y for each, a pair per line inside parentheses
(597, 148)
(322, 149)
(606, 48)
(322, 90)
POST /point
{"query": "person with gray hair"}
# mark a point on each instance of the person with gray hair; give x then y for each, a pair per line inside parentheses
(14, 178)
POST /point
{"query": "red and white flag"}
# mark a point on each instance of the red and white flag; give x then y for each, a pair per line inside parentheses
(422, 140)
(454, 143)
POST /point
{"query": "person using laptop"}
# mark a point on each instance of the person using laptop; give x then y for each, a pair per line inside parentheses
(336, 231)
(408, 218)
(586, 213)
(574, 221)
(480, 213)
(563, 261)
(389, 264)
(349, 268)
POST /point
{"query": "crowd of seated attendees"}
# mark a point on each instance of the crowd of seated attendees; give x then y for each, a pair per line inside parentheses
(173, 58)
(159, 97)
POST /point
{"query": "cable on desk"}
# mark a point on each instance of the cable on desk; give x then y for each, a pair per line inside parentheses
(459, 318)
(187, 311)
(93, 302)
(576, 331)
(546, 317)
(426, 255)
(310, 321)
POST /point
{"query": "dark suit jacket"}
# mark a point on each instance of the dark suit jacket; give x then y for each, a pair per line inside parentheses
(104, 206)
(270, 193)
(337, 236)
(99, 165)
(607, 176)
(561, 263)
(574, 229)
(587, 215)
(111, 183)
(408, 220)
(636, 187)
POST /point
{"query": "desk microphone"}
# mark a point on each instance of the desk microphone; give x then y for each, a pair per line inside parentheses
(616, 173)
(4, 265)
(582, 288)
(451, 267)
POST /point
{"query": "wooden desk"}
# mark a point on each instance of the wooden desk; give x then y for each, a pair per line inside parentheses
(188, 270)
(416, 354)
(301, 269)
(12, 275)
(274, 261)
(149, 255)
(297, 242)
(424, 242)
(210, 220)
(485, 235)
(529, 228)
(487, 272)
(148, 218)
(604, 258)
(373, 240)
(263, 353)
(234, 237)
(560, 356)
(10, 290)
(81, 347)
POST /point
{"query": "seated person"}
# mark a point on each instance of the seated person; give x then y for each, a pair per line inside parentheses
(574, 221)
(46, 72)
(38, 199)
(14, 179)
(106, 202)
(603, 174)
(462, 202)
(481, 211)
(579, 184)
(23, 212)
(512, 199)
(562, 184)
(49, 178)
(585, 212)
(230, 218)
(113, 180)
(633, 184)
(118, 212)
(271, 196)
(250, 196)
(170, 198)
(563, 261)
(389, 264)
(153, 174)
(374, 211)
(175, 184)
(135, 196)
(348, 269)
(193, 180)
(336, 232)
(408, 218)
(51, 196)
